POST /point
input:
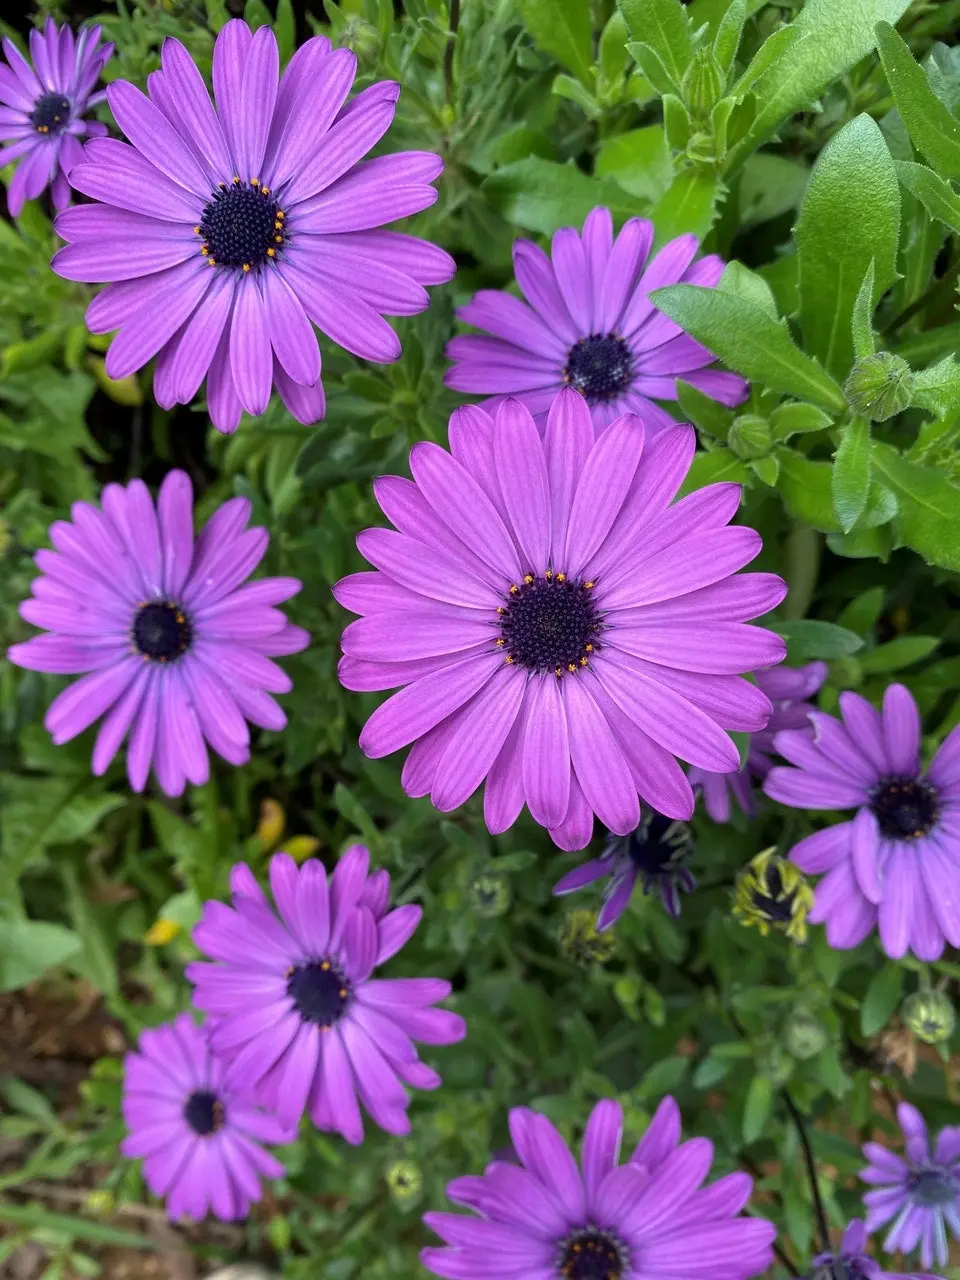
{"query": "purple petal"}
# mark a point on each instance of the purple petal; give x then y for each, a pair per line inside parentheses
(598, 761)
(901, 730)
(155, 137)
(546, 752)
(601, 490)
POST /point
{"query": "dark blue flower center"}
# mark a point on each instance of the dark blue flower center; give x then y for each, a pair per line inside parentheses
(319, 992)
(600, 366)
(242, 226)
(774, 905)
(51, 114)
(658, 844)
(905, 808)
(203, 1112)
(845, 1267)
(161, 631)
(932, 1187)
(549, 623)
(592, 1255)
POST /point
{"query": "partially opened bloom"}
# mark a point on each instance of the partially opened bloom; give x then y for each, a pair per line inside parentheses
(198, 1138)
(555, 1219)
(896, 865)
(788, 689)
(590, 324)
(563, 629)
(920, 1193)
(43, 106)
(227, 234)
(656, 854)
(177, 648)
(851, 1262)
(771, 893)
(293, 1004)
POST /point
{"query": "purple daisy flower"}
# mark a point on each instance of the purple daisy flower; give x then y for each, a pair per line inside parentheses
(787, 688)
(42, 108)
(228, 234)
(897, 864)
(590, 324)
(177, 649)
(554, 1220)
(199, 1140)
(921, 1193)
(562, 630)
(294, 1007)
(655, 854)
(850, 1262)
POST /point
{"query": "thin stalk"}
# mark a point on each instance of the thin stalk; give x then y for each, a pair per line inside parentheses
(818, 1208)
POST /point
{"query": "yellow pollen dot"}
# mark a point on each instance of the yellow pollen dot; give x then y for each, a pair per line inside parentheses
(246, 266)
(343, 993)
(501, 609)
(325, 966)
(528, 578)
(588, 648)
(548, 575)
(264, 191)
(271, 253)
(514, 589)
(583, 662)
(501, 642)
(211, 261)
(588, 585)
(196, 230)
(280, 214)
(205, 250)
(508, 660)
(236, 180)
(558, 672)
(561, 577)
(571, 666)
(278, 239)
(254, 182)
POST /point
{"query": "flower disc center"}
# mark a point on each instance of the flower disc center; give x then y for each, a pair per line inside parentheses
(905, 808)
(241, 226)
(659, 844)
(204, 1113)
(600, 366)
(51, 114)
(549, 623)
(319, 992)
(592, 1255)
(774, 904)
(932, 1187)
(161, 631)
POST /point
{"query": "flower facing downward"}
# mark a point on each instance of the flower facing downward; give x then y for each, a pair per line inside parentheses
(552, 1219)
(43, 108)
(788, 688)
(896, 864)
(293, 1004)
(771, 893)
(563, 630)
(591, 325)
(199, 1139)
(178, 650)
(850, 1262)
(656, 854)
(226, 234)
(920, 1193)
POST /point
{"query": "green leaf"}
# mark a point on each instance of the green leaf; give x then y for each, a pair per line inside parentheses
(639, 160)
(881, 999)
(770, 185)
(38, 1217)
(806, 490)
(29, 947)
(687, 205)
(808, 638)
(861, 614)
(757, 1108)
(744, 283)
(706, 414)
(655, 73)
(710, 468)
(899, 653)
(676, 122)
(850, 215)
(612, 55)
(542, 196)
(861, 323)
(284, 30)
(938, 388)
(662, 24)
(744, 337)
(927, 507)
(851, 473)
(727, 39)
(932, 128)
(797, 419)
(182, 840)
(934, 193)
(563, 30)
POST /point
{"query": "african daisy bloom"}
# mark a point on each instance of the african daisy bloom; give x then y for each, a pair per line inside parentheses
(560, 628)
(293, 1004)
(851, 1262)
(788, 689)
(552, 1219)
(895, 865)
(43, 106)
(226, 234)
(920, 1193)
(177, 648)
(588, 323)
(200, 1141)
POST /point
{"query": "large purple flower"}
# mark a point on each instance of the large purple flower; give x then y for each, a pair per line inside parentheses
(198, 1137)
(850, 1262)
(787, 688)
(897, 864)
(228, 234)
(921, 1193)
(551, 1219)
(178, 650)
(591, 325)
(42, 108)
(562, 630)
(294, 1007)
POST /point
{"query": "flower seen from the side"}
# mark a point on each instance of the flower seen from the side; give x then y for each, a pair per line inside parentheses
(580, 940)
(178, 647)
(851, 1262)
(918, 1194)
(771, 893)
(788, 689)
(224, 235)
(562, 628)
(293, 1004)
(896, 865)
(42, 107)
(656, 854)
(199, 1137)
(588, 323)
(553, 1218)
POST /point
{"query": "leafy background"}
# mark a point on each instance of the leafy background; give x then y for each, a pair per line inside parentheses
(826, 170)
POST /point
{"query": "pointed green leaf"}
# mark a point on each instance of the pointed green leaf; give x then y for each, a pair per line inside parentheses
(933, 129)
(881, 998)
(851, 473)
(934, 193)
(727, 40)
(757, 1108)
(927, 507)
(861, 326)
(688, 205)
(563, 30)
(662, 24)
(808, 638)
(797, 419)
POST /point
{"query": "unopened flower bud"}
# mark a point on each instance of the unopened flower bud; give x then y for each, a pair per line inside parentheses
(405, 1181)
(490, 896)
(703, 82)
(360, 36)
(930, 1016)
(579, 940)
(750, 436)
(804, 1035)
(879, 386)
(99, 1203)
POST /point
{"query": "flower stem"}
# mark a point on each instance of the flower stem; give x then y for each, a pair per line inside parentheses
(818, 1208)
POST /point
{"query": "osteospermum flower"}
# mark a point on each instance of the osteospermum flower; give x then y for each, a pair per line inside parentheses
(920, 1193)
(198, 1137)
(177, 648)
(562, 630)
(896, 864)
(656, 854)
(552, 1219)
(590, 324)
(771, 893)
(43, 109)
(850, 1262)
(227, 234)
(293, 1003)
(787, 688)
